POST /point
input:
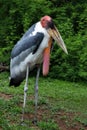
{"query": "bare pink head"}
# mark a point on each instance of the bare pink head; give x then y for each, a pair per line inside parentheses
(47, 22)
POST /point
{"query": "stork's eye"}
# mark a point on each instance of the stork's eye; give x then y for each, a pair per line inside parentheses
(43, 19)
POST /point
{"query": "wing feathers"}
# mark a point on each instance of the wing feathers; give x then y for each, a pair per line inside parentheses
(21, 50)
(32, 43)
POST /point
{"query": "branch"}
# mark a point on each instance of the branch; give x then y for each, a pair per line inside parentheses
(4, 68)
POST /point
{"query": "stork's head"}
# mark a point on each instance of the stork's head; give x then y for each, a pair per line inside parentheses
(49, 25)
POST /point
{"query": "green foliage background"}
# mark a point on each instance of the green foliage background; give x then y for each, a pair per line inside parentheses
(70, 16)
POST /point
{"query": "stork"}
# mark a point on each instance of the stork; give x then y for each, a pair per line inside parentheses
(32, 50)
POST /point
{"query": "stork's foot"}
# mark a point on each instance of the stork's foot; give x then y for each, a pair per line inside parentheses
(22, 123)
(35, 122)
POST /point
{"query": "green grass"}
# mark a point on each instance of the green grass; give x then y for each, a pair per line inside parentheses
(58, 101)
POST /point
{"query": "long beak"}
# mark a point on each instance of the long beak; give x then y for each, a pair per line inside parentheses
(54, 33)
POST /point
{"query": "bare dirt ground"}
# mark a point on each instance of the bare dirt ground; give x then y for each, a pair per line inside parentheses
(5, 96)
(65, 120)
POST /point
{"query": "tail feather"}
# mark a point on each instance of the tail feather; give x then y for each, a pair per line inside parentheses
(14, 82)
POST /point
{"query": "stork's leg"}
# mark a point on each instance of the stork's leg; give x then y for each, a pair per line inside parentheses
(25, 92)
(36, 94)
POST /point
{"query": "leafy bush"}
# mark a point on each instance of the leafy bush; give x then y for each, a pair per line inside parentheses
(71, 20)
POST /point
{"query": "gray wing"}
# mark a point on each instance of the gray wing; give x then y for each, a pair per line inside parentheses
(30, 44)
(21, 50)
